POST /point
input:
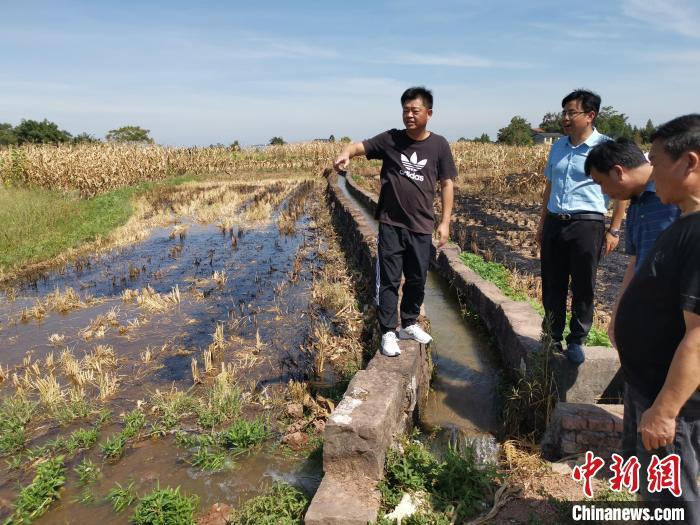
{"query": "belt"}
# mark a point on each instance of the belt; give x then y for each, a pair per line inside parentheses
(577, 216)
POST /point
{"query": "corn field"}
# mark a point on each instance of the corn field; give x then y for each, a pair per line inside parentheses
(92, 169)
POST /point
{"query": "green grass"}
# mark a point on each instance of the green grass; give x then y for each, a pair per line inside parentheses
(499, 275)
(15, 413)
(87, 472)
(166, 507)
(457, 488)
(210, 461)
(39, 224)
(282, 504)
(243, 434)
(35, 498)
(492, 272)
(121, 497)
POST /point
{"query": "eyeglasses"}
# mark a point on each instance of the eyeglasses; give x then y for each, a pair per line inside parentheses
(571, 114)
(413, 111)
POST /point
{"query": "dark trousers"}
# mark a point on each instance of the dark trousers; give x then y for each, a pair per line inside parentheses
(570, 249)
(686, 444)
(401, 251)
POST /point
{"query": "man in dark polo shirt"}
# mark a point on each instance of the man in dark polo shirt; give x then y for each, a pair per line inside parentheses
(413, 160)
(624, 173)
(657, 329)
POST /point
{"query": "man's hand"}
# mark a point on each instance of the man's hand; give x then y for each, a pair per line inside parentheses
(341, 163)
(611, 242)
(657, 429)
(442, 233)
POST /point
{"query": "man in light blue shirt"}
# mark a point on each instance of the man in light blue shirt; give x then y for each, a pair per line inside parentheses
(572, 229)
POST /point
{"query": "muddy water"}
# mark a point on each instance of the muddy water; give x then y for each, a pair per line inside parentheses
(165, 463)
(463, 394)
(262, 306)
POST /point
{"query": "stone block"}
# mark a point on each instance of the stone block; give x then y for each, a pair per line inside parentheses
(361, 428)
(341, 501)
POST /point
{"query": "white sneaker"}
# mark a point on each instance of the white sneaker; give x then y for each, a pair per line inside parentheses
(416, 333)
(390, 344)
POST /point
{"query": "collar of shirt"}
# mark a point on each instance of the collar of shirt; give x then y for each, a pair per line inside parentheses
(649, 188)
(593, 139)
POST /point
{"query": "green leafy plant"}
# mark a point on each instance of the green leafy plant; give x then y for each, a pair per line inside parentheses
(121, 497)
(35, 498)
(166, 507)
(133, 423)
(15, 413)
(113, 448)
(81, 438)
(210, 461)
(243, 434)
(282, 504)
(87, 471)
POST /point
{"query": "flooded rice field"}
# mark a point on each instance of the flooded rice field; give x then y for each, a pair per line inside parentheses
(184, 359)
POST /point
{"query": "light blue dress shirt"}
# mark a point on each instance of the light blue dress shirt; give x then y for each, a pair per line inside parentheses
(572, 190)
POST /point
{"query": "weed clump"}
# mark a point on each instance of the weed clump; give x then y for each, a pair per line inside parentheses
(529, 403)
(209, 461)
(35, 498)
(122, 497)
(281, 505)
(166, 507)
(15, 413)
(243, 434)
(449, 491)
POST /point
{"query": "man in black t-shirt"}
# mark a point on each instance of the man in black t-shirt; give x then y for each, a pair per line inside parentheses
(414, 159)
(657, 328)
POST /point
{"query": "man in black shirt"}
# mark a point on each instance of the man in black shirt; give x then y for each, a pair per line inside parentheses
(414, 159)
(657, 328)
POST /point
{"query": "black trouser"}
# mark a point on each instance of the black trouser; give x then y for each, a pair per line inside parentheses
(686, 444)
(400, 251)
(570, 248)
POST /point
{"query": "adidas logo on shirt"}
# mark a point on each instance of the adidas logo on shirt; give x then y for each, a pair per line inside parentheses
(413, 166)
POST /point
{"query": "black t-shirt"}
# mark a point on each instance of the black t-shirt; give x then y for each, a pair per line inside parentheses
(650, 324)
(410, 169)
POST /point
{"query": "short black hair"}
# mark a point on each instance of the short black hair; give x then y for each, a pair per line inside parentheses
(420, 92)
(589, 100)
(679, 135)
(623, 152)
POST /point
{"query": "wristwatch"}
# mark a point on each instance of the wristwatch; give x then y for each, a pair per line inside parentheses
(614, 232)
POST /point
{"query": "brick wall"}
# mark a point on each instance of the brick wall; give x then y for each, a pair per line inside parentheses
(578, 427)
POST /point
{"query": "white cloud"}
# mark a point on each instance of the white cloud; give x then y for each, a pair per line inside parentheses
(458, 60)
(676, 16)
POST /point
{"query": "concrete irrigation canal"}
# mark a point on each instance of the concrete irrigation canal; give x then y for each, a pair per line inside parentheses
(224, 344)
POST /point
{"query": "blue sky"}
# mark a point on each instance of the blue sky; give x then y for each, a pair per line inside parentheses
(197, 73)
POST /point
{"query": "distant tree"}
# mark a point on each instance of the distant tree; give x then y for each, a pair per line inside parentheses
(277, 141)
(551, 122)
(646, 131)
(129, 134)
(484, 138)
(7, 134)
(462, 139)
(345, 140)
(613, 123)
(235, 146)
(517, 133)
(84, 138)
(331, 138)
(35, 132)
